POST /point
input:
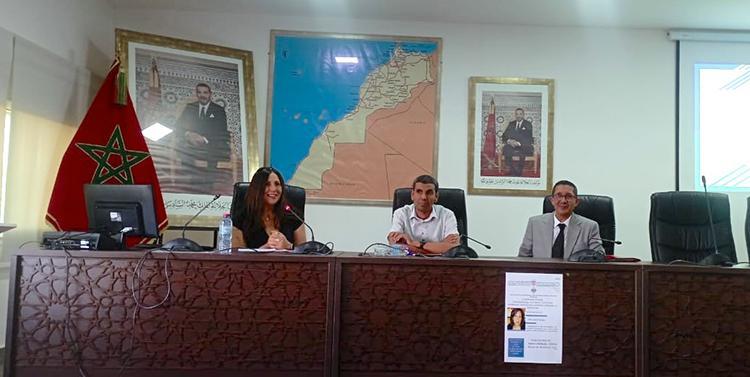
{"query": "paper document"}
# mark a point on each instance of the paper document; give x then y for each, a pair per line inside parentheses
(533, 318)
(261, 250)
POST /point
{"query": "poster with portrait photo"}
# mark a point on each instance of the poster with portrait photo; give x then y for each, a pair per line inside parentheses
(534, 325)
(196, 106)
(510, 136)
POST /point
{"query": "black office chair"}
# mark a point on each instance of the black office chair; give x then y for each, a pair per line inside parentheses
(295, 197)
(679, 227)
(594, 207)
(451, 198)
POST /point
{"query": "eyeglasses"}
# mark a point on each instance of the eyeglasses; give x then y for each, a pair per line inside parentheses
(559, 196)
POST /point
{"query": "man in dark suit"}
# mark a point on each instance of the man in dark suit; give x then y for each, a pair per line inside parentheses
(204, 127)
(518, 142)
(203, 137)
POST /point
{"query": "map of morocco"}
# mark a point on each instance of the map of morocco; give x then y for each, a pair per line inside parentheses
(389, 86)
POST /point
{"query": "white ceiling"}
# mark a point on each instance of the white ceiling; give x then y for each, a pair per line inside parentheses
(660, 14)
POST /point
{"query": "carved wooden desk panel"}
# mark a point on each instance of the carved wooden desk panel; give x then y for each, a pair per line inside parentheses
(431, 317)
(697, 321)
(226, 316)
(279, 315)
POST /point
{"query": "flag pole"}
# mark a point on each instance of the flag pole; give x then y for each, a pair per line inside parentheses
(121, 85)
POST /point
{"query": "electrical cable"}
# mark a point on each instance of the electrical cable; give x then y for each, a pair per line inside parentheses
(135, 287)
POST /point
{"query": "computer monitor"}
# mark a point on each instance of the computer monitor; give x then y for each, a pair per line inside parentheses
(112, 208)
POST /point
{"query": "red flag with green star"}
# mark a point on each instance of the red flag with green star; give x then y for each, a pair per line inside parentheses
(108, 148)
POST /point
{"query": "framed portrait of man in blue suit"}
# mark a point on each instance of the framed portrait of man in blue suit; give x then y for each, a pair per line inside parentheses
(196, 106)
(510, 136)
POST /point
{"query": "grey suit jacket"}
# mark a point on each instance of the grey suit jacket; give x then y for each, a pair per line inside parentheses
(537, 242)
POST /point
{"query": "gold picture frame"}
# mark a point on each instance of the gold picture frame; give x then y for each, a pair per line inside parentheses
(510, 136)
(165, 76)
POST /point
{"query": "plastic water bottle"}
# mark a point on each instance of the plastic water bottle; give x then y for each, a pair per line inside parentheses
(224, 244)
(399, 250)
(395, 250)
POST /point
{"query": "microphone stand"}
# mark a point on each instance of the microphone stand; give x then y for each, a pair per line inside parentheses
(309, 247)
(464, 251)
(592, 255)
(717, 258)
(483, 244)
(186, 244)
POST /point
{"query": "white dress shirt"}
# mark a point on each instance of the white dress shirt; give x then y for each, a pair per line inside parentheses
(435, 228)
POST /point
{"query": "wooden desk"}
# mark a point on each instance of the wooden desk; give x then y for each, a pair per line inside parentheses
(228, 315)
(345, 315)
(697, 321)
(436, 317)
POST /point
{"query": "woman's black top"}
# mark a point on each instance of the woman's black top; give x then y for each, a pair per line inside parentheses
(258, 237)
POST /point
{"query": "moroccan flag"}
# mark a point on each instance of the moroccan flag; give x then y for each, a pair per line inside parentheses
(489, 149)
(108, 148)
(153, 99)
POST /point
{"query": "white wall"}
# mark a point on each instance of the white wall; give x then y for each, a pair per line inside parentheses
(614, 111)
(79, 34)
(59, 44)
(79, 31)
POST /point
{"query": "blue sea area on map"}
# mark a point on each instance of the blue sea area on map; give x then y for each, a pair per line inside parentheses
(311, 90)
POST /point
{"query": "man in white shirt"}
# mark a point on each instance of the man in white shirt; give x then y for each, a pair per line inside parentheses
(562, 232)
(425, 227)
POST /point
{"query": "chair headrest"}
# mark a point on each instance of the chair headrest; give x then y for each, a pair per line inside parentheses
(689, 207)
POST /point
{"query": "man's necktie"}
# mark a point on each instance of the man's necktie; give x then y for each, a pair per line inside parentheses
(203, 112)
(558, 248)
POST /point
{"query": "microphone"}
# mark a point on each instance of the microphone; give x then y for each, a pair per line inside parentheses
(483, 244)
(715, 259)
(309, 247)
(592, 255)
(217, 196)
(616, 242)
(186, 244)
(464, 251)
(603, 240)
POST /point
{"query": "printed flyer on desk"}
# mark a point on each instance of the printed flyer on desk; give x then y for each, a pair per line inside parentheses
(533, 318)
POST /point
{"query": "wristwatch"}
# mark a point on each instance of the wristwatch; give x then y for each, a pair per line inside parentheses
(421, 244)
